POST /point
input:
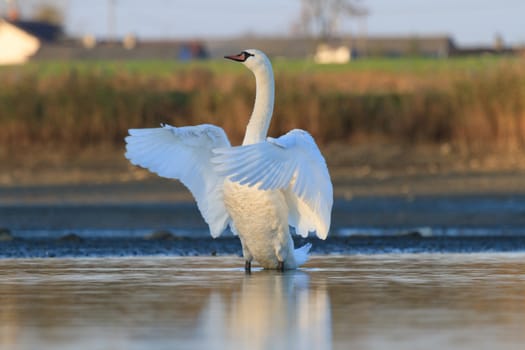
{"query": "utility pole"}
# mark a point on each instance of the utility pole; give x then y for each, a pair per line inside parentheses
(112, 20)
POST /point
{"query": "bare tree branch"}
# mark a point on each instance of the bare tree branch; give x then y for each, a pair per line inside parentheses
(322, 18)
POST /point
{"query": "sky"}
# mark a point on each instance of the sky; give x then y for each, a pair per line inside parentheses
(469, 22)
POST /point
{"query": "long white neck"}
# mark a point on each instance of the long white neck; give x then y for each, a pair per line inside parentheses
(259, 123)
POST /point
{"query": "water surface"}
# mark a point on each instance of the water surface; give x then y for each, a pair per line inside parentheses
(408, 301)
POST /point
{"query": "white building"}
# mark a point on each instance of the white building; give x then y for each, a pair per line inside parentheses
(326, 54)
(16, 45)
(19, 40)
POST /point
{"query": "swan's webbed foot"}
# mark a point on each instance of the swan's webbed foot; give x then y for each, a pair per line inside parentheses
(248, 266)
(280, 266)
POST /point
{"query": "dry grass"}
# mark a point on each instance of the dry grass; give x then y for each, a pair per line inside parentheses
(468, 106)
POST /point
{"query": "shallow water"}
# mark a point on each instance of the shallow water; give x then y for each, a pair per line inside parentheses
(446, 215)
(406, 301)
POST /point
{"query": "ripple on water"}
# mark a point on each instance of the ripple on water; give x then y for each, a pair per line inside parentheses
(437, 301)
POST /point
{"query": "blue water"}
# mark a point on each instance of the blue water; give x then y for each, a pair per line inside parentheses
(421, 301)
(473, 215)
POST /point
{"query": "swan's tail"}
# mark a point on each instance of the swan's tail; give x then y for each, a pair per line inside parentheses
(301, 254)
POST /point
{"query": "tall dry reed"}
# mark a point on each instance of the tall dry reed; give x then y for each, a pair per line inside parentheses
(77, 110)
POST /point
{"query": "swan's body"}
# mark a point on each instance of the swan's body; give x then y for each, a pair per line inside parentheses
(264, 231)
(259, 188)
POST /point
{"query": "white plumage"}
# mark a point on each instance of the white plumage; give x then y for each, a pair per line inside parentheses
(185, 154)
(258, 188)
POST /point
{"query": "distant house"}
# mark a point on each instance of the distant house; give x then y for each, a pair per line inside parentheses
(16, 45)
(19, 40)
(326, 54)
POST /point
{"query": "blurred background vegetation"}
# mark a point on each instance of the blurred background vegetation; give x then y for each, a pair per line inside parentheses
(468, 102)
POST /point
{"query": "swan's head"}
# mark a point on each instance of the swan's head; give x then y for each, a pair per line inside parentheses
(254, 59)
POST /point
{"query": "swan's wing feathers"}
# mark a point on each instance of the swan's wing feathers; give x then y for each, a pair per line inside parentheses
(185, 154)
(292, 163)
(310, 194)
(254, 165)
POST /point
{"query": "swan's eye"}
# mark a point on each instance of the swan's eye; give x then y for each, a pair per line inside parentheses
(247, 54)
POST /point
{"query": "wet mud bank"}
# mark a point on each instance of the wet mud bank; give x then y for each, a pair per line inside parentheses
(75, 246)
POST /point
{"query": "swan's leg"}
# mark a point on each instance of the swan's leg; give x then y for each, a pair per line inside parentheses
(281, 252)
(247, 257)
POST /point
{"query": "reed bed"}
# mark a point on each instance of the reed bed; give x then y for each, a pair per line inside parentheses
(471, 103)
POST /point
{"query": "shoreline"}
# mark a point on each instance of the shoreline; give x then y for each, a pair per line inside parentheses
(378, 187)
(184, 246)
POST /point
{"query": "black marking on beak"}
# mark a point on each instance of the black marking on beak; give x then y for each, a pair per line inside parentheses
(243, 56)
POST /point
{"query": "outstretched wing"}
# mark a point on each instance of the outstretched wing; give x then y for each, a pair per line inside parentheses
(185, 154)
(291, 163)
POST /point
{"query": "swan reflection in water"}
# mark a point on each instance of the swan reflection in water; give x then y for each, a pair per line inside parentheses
(269, 311)
(135, 304)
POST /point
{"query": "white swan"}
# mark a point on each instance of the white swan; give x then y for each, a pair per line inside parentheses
(259, 188)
